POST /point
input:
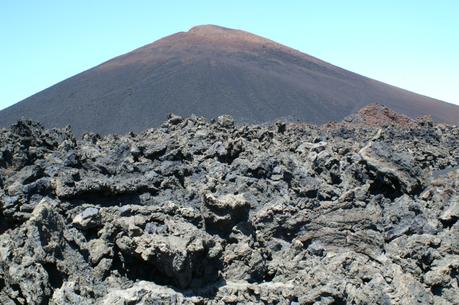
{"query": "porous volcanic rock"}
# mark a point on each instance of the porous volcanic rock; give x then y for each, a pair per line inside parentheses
(209, 212)
(380, 115)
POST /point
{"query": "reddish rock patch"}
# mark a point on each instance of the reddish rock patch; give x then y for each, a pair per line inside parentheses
(380, 115)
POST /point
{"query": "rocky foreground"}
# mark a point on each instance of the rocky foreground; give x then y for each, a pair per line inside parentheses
(196, 212)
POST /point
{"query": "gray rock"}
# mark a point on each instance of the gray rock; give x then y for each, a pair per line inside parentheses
(87, 219)
(222, 213)
(199, 212)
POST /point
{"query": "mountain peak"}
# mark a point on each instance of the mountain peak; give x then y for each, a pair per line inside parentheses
(221, 34)
(207, 28)
(211, 70)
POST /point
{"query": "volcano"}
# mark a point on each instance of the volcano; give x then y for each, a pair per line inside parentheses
(209, 71)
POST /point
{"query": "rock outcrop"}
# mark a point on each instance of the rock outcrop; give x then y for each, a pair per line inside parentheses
(199, 212)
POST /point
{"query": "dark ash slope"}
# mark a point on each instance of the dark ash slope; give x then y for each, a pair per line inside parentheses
(209, 71)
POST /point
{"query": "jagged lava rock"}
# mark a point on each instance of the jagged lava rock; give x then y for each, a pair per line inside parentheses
(210, 212)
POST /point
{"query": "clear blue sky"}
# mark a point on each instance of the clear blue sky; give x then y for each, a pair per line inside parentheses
(413, 44)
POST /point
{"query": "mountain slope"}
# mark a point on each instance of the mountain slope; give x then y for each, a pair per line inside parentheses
(209, 71)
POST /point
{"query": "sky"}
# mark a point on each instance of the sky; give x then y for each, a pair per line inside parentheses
(412, 44)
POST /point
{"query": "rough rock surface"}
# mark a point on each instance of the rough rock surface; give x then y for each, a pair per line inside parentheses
(199, 212)
(380, 115)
